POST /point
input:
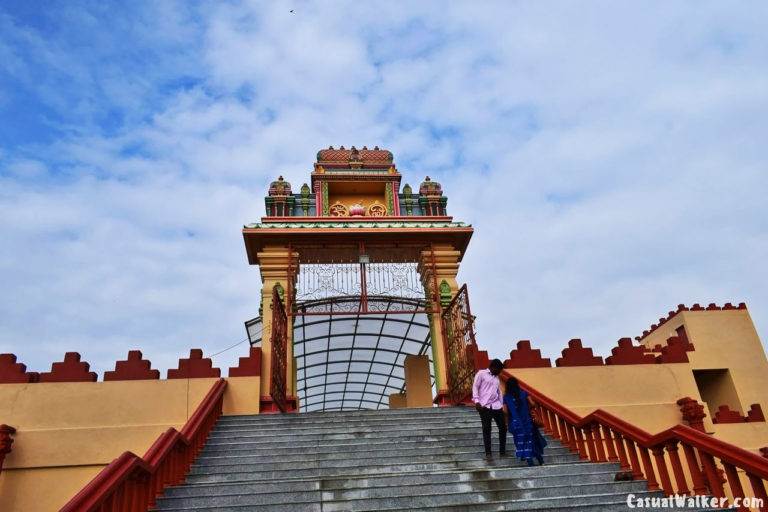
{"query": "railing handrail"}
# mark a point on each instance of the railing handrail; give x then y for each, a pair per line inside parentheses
(128, 464)
(727, 452)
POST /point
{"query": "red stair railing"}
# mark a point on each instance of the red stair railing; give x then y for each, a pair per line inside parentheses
(601, 436)
(131, 483)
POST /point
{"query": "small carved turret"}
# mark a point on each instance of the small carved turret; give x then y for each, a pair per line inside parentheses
(431, 198)
(280, 201)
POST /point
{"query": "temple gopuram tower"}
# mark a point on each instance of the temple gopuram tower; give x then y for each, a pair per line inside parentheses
(355, 245)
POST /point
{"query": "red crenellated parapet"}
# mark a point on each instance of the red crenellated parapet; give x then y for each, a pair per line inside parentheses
(6, 441)
(72, 369)
(576, 355)
(194, 367)
(133, 368)
(248, 366)
(12, 372)
(693, 412)
(479, 358)
(724, 414)
(676, 349)
(755, 413)
(526, 357)
(627, 353)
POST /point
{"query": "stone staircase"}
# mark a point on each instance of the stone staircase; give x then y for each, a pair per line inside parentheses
(404, 460)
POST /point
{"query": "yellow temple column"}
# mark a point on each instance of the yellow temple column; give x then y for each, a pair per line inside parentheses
(438, 268)
(278, 266)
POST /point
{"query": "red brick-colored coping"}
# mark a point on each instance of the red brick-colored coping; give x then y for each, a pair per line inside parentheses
(724, 414)
(576, 355)
(526, 357)
(696, 307)
(627, 353)
(12, 372)
(675, 351)
(133, 368)
(194, 367)
(755, 413)
(69, 370)
(248, 366)
(478, 357)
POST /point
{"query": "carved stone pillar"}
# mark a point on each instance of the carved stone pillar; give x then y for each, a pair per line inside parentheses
(438, 268)
(278, 266)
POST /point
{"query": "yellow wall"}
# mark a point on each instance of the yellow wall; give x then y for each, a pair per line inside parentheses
(67, 432)
(727, 340)
(642, 394)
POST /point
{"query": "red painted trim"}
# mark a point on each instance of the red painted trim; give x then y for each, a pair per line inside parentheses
(194, 367)
(526, 357)
(12, 372)
(577, 355)
(71, 369)
(248, 366)
(139, 480)
(267, 405)
(389, 218)
(133, 368)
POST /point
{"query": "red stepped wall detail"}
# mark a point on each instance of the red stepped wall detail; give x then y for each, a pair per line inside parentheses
(724, 414)
(12, 372)
(478, 357)
(755, 413)
(248, 366)
(627, 353)
(69, 370)
(576, 355)
(133, 368)
(194, 367)
(526, 357)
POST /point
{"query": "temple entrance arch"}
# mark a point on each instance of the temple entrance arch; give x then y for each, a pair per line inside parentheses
(354, 246)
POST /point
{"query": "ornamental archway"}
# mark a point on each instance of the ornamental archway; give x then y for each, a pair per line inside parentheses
(347, 362)
(348, 252)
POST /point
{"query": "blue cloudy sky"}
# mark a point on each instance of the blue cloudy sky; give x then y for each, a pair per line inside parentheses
(611, 155)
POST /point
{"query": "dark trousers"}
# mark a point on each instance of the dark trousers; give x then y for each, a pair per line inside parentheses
(497, 415)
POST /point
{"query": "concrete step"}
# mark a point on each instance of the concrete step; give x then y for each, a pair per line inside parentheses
(364, 413)
(438, 440)
(396, 470)
(380, 498)
(426, 459)
(355, 446)
(467, 450)
(418, 483)
(358, 433)
(470, 459)
(297, 421)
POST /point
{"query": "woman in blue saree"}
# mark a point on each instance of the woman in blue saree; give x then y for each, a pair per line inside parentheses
(529, 443)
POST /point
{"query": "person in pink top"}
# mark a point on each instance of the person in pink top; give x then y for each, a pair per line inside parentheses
(486, 394)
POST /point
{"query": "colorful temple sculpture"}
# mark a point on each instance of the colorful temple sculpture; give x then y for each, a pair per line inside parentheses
(360, 308)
